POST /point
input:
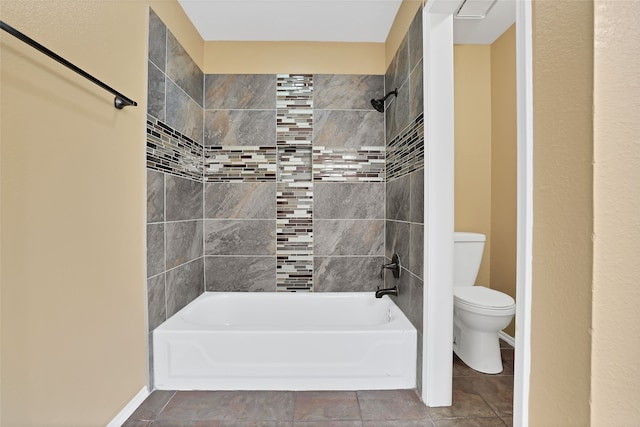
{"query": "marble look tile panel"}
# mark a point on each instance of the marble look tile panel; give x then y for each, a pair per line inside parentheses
(347, 274)
(171, 152)
(353, 129)
(391, 405)
(346, 92)
(247, 164)
(398, 71)
(416, 90)
(183, 113)
(365, 164)
(397, 113)
(405, 154)
(399, 198)
(410, 295)
(415, 40)
(183, 285)
(416, 249)
(348, 237)
(240, 200)
(240, 91)
(155, 196)
(397, 240)
(342, 200)
(155, 249)
(294, 164)
(240, 274)
(183, 71)
(417, 196)
(240, 237)
(183, 199)
(467, 401)
(155, 92)
(184, 242)
(326, 406)
(294, 103)
(240, 127)
(157, 41)
(156, 301)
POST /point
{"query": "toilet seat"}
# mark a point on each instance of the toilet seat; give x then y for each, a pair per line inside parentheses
(481, 299)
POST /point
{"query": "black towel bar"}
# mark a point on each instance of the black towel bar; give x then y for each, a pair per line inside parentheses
(120, 100)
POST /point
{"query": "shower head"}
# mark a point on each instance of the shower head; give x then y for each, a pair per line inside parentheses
(378, 104)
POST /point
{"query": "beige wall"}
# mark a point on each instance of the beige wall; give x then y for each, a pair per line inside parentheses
(293, 57)
(504, 166)
(615, 382)
(73, 212)
(485, 155)
(562, 213)
(472, 113)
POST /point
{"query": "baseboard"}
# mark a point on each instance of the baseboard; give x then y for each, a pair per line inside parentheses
(507, 338)
(129, 409)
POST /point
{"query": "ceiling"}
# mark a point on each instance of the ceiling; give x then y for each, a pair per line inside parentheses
(325, 20)
(292, 20)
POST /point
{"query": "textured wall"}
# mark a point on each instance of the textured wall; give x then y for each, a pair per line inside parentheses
(615, 381)
(504, 166)
(472, 161)
(563, 213)
(73, 303)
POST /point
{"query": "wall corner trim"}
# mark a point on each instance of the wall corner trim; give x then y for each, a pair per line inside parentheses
(129, 408)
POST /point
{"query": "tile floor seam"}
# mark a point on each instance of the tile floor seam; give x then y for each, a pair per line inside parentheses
(359, 407)
(164, 406)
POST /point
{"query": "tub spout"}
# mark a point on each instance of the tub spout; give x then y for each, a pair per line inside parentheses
(387, 291)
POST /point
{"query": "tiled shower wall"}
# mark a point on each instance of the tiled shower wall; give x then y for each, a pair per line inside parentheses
(259, 182)
(282, 182)
(405, 176)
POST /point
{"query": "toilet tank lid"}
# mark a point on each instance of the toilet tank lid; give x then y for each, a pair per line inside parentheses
(461, 236)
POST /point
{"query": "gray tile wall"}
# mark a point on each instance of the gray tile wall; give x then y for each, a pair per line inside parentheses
(404, 208)
(175, 225)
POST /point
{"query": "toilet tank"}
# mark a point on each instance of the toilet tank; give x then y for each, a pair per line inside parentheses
(467, 255)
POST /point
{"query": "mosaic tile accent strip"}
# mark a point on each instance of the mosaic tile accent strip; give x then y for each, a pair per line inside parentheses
(364, 164)
(171, 152)
(240, 163)
(294, 164)
(405, 153)
(294, 103)
(294, 246)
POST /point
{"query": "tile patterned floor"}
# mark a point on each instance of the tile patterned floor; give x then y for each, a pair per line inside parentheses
(478, 401)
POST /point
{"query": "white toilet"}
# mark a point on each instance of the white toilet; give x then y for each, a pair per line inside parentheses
(478, 312)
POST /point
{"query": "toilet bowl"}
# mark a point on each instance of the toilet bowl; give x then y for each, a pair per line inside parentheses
(478, 312)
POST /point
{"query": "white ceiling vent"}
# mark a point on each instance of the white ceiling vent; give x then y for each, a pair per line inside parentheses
(474, 9)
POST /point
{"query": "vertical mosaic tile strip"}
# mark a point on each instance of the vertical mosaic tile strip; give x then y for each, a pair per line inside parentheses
(366, 164)
(245, 164)
(294, 137)
(294, 103)
(294, 164)
(294, 246)
(405, 153)
(171, 152)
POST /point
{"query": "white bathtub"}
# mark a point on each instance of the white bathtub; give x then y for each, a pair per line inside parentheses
(286, 341)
